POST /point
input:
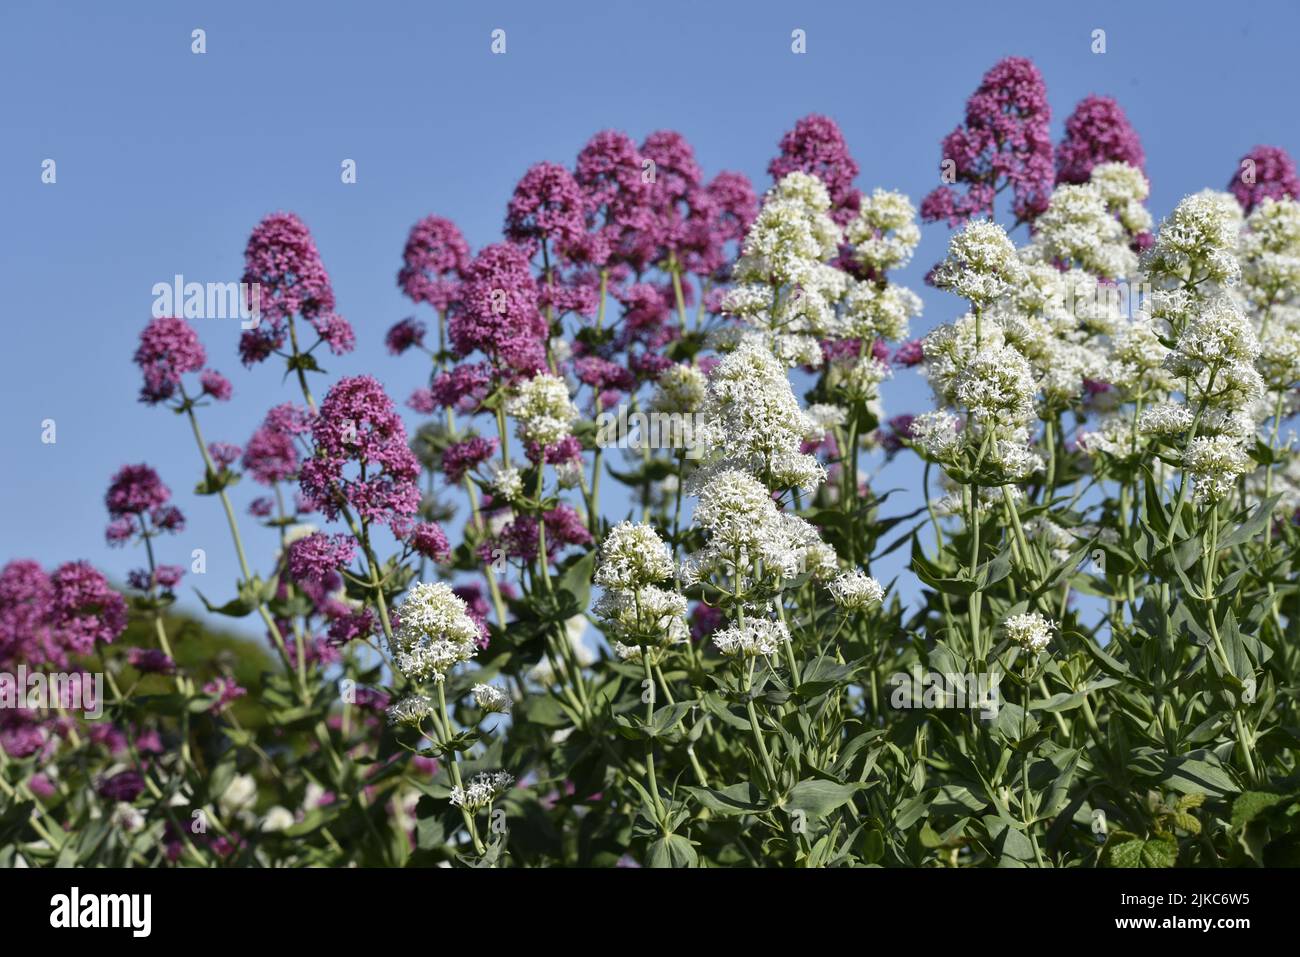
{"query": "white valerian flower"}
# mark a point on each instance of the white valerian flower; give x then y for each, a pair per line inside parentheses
(1078, 228)
(937, 435)
(490, 698)
(542, 409)
(481, 790)
(240, 794)
(505, 482)
(1197, 242)
(878, 312)
(997, 386)
(1031, 632)
(435, 634)
(756, 636)
(1125, 189)
(791, 237)
(127, 817)
(569, 473)
(981, 265)
(680, 388)
(884, 233)
(1137, 358)
(647, 615)
(1216, 332)
(1270, 252)
(856, 590)
(632, 556)
(861, 380)
(1214, 463)
(1167, 418)
(277, 818)
(828, 416)
(751, 414)
(410, 711)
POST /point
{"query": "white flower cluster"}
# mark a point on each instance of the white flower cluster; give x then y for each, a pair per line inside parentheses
(1270, 288)
(634, 609)
(856, 591)
(1124, 189)
(884, 234)
(1197, 243)
(482, 790)
(542, 409)
(1078, 228)
(1031, 632)
(435, 633)
(410, 711)
(754, 637)
(680, 388)
(981, 266)
(753, 421)
(750, 537)
(491, 699)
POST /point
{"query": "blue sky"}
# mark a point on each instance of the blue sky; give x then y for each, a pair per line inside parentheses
(166, 159)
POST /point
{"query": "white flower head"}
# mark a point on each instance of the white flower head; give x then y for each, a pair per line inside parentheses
(1031, 632)
(490, 698)
(856, 590)
(481, 790)
(435, 633)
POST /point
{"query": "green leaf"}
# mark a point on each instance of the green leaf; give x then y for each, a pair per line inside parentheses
(817, 798)
(741, 798)
(1251, 526)
(672, 850)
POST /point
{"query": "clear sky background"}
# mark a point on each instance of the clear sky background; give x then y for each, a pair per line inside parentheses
(166, 159)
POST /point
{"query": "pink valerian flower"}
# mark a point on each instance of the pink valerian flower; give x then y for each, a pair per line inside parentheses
(312, 558)
(548, 208)
(403, 335)
(430, 541)
(674, 190)
(602, 374)
(498, 313)
(150, 661)
(722, 215)
(225, 690)
(84, 609)
(358, 424)
(123, 786)
(224, 454)
(26, 599)
(282, 261)
(816, 146)
(1004, 141)
(1264, 172)
(135, 492)
(463, 387)
(262, 507)
(519, 538)
(476, 606)
(610, 172)
(568, 449)
(316, 651)
(896, 431)
(577, 292)
(271, 454)
(466, 455)
(705, 620)
(168, 349)
(215, 385)
(165, 576)
(350, 626)
(909, 354)
(1096, 132)
(433, 261)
